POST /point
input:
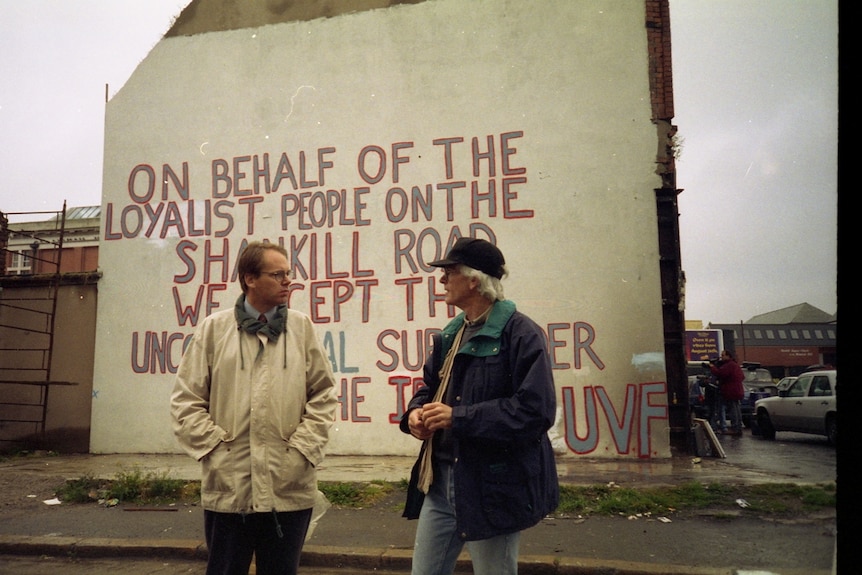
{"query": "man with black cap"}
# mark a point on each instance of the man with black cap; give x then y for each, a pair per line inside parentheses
(486, 469)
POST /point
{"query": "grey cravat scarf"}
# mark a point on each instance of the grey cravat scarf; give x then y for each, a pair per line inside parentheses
(251, 324)
(272, 329)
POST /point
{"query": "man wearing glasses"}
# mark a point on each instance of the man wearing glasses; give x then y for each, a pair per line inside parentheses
(486, 469)
(253, 402)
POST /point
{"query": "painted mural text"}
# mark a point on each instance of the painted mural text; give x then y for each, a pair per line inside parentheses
(359, 229)
(585, 422)
(162, 203)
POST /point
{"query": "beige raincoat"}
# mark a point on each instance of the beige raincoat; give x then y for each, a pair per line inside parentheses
(256, 413)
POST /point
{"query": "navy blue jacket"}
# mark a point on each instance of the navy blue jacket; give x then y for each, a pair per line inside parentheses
(505, 402)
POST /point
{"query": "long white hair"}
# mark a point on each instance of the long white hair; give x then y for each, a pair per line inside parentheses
(489, 286)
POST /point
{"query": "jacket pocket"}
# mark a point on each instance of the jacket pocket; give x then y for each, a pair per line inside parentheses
(293, 473)
(216, 470)
(508, 494)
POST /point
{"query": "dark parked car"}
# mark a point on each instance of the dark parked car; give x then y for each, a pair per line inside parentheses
(758, 384)
(699, 392)
(809, 405)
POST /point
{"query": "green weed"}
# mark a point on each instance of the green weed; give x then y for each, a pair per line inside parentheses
(161, 487)
(128, 485)
(131, 486)
(790, 497)
(779, 498)
(79, 490)
(356, 495)
(723, 501)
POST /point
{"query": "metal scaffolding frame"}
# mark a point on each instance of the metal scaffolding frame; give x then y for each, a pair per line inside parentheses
(28, 322)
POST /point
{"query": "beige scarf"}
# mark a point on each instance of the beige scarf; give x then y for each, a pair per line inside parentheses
(426, 471)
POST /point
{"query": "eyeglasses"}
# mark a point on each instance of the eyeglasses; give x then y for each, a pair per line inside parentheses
(449, 272)
(280, 275)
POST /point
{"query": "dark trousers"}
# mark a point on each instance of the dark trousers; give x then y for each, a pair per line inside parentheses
(274, 539)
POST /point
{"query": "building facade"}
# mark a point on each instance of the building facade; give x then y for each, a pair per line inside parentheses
(367, 137)
(367, 141)
(48, 298)
(35, 246)
(786, 341)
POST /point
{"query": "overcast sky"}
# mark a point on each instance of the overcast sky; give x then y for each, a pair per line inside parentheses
(756, 100)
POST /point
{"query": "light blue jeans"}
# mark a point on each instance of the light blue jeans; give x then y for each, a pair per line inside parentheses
(437, 543)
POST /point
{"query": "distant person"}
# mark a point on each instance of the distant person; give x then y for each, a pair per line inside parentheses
(253, 402)
(712, 399)
(486, 470)
(730, 378)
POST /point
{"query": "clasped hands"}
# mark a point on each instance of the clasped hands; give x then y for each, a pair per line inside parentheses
(425, 420)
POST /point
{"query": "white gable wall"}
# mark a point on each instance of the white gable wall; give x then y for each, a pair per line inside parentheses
(561, 91)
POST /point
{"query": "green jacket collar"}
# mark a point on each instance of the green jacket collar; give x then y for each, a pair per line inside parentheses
(485, 341)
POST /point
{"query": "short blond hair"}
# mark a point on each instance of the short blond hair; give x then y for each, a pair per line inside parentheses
(251, 260)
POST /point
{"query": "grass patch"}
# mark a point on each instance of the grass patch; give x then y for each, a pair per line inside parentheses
(777, 499)
(78, 490)
(130, 486)
(357, 495)
(723, 501)
(786, 498)
(611, 499)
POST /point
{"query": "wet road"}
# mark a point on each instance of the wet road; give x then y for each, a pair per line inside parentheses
(41, 565)
(798, 457)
